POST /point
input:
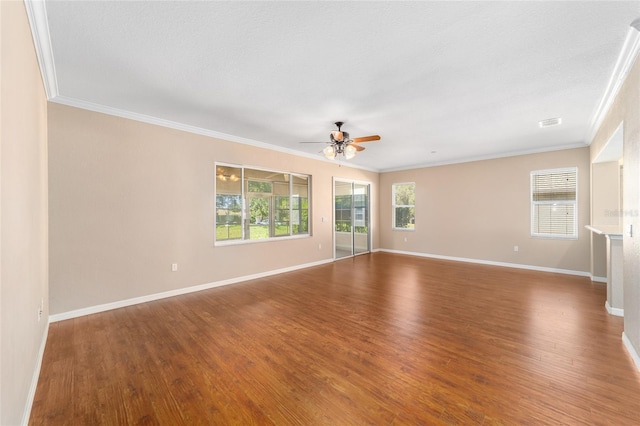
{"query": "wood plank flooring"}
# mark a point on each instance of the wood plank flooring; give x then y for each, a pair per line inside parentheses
(380, 339)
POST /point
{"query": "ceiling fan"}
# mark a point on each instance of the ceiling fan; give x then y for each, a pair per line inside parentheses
(341, 144)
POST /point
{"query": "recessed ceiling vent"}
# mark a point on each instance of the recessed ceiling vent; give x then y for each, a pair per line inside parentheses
(550, 122)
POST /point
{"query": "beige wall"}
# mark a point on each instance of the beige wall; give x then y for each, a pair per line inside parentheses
(626, 109)
(23, 217)
(605, 204)
(481, 210)
(128, 199)
(605, 197)
(599, 257)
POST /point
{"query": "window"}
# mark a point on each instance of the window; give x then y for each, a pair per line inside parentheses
(554, 209)
(254, 204)
(343, 212)
(299, 205)
(404, 208)
(229, 204)
(360, 213)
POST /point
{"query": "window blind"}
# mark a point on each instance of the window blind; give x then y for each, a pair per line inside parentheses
(554, 203)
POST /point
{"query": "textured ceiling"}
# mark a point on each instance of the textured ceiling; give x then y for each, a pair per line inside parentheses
(440, 82)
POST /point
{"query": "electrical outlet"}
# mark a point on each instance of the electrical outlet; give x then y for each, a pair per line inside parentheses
(41, 309)
(406, 239)
(516, 248)
(174, 267)
(319, 246)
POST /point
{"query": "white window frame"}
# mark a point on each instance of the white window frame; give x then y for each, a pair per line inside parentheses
(574, 203)
(245, 207)
(395, 206)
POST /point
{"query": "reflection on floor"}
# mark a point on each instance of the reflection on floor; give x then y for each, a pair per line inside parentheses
(342, 253)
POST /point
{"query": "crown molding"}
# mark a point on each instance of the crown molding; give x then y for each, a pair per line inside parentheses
(37, 15)
(626, 59)
(487, 157)
(90, 106)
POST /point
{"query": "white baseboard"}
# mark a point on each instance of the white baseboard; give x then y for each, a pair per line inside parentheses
(34, 380)
(631, 350)
(599, 279)
(492, 263)
(613, 311)
(148, 298)
(151, 297)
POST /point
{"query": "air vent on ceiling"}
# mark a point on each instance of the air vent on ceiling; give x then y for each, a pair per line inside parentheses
(550, 122)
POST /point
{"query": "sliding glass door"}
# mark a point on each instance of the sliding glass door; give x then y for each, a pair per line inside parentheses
(361, 218)
(351, 218)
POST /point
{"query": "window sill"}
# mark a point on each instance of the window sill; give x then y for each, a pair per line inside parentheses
(554, 237)
(263, 240)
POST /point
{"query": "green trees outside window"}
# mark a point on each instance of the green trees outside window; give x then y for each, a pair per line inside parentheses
(404, 205)
(256, 204)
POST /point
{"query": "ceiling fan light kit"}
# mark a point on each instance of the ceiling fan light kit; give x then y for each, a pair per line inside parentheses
(349, 152)
(341, 144)
(329, 152)
(332, 151)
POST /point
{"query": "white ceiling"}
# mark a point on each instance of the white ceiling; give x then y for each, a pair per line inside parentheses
(440, 82)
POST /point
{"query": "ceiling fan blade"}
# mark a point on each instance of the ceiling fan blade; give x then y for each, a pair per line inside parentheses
(357, 147)
(367, 139)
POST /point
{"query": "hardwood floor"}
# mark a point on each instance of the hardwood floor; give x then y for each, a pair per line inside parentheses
(377, 339)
